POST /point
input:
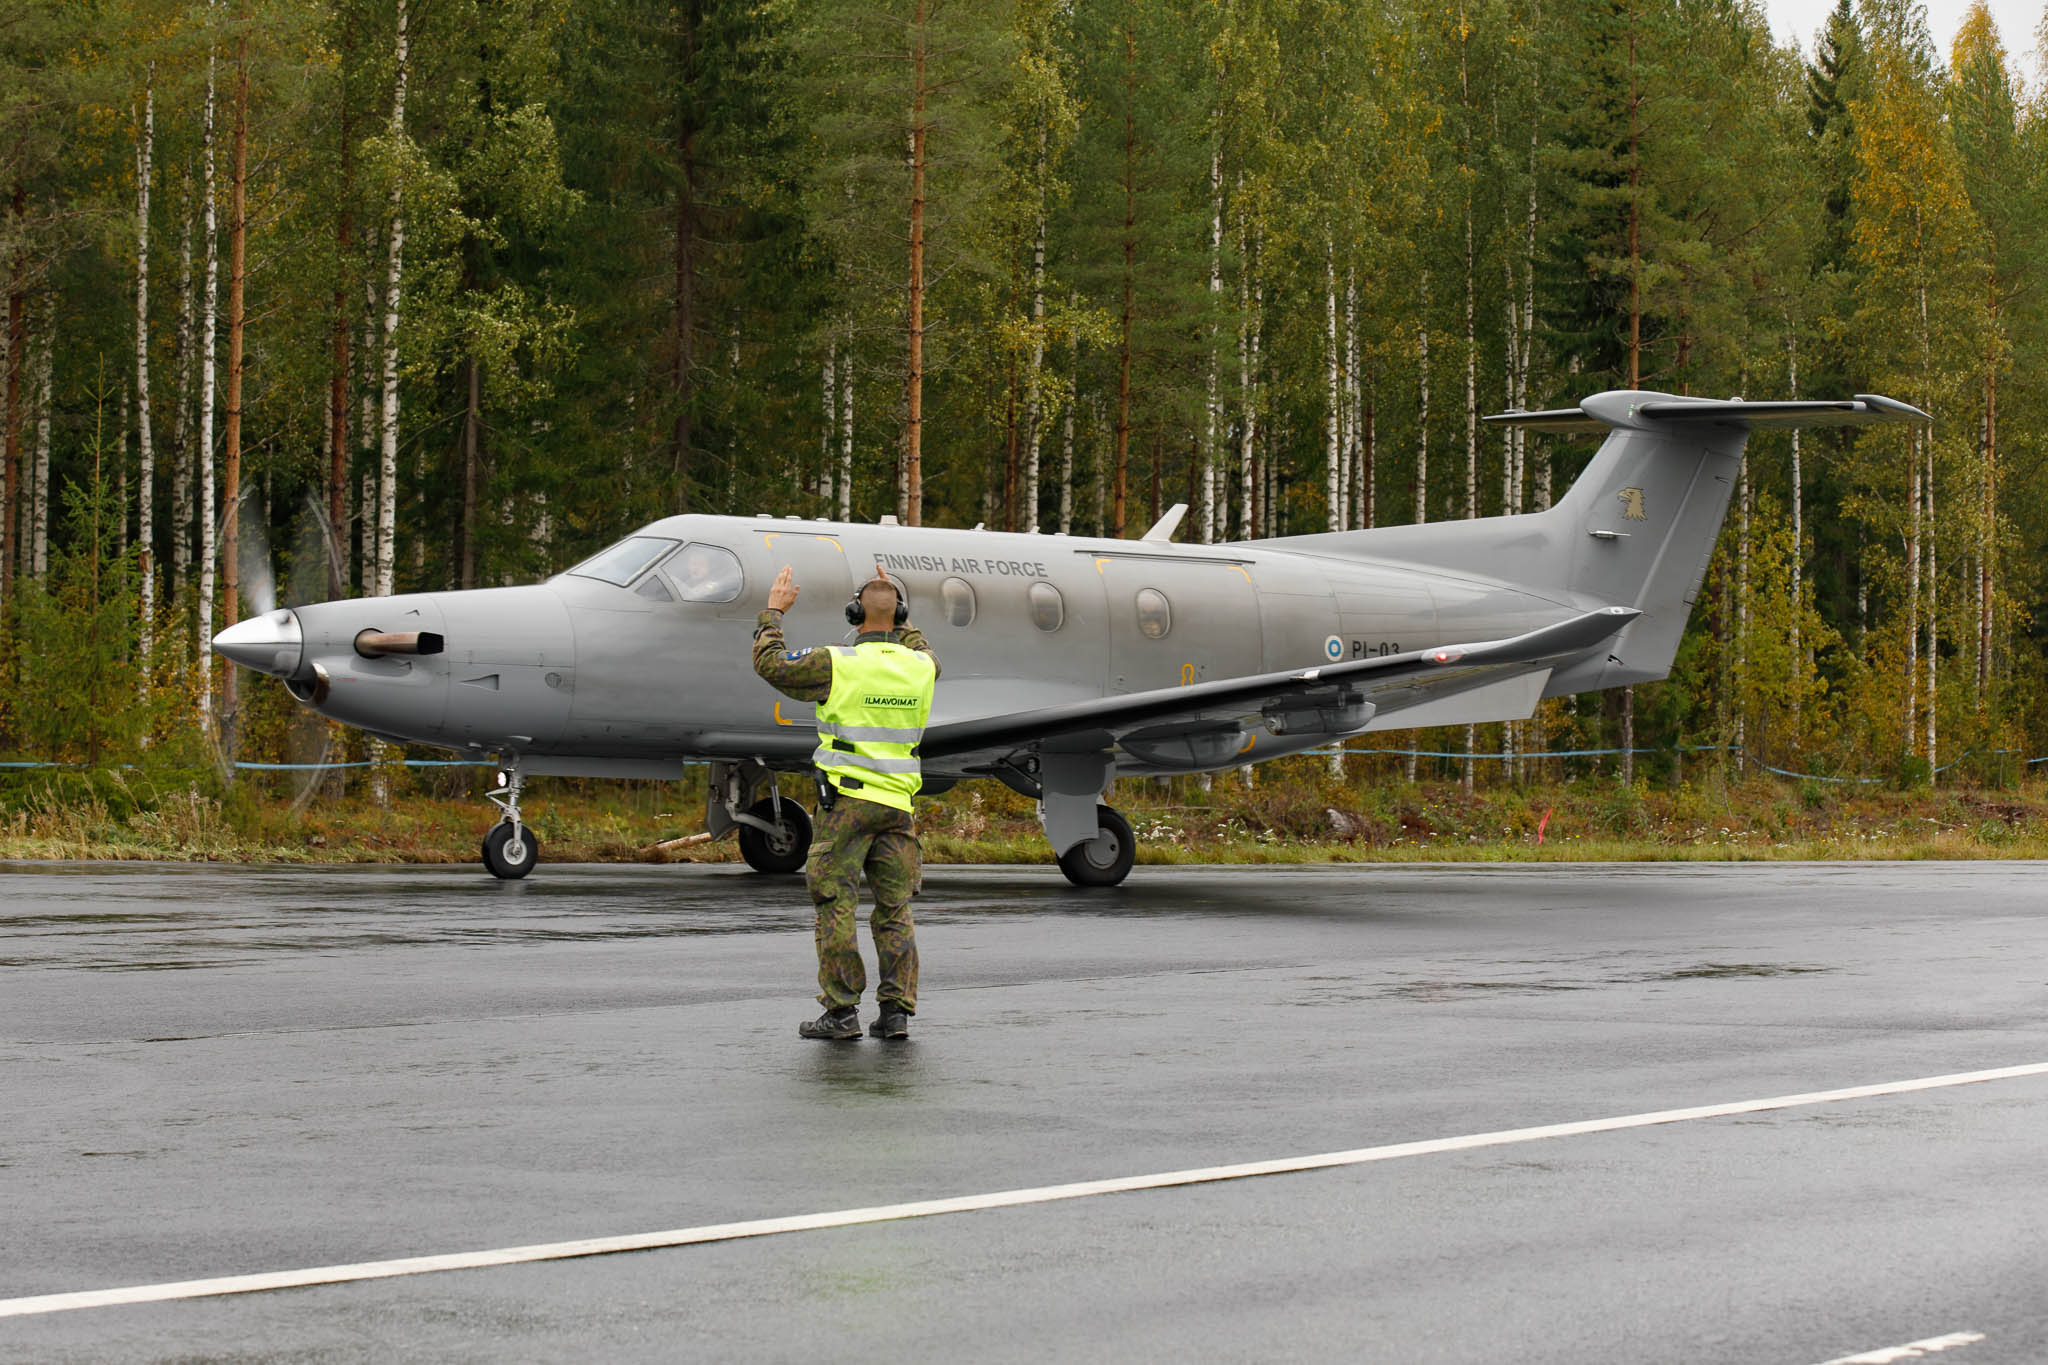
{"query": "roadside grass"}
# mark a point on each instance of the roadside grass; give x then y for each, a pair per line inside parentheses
(1292, 811)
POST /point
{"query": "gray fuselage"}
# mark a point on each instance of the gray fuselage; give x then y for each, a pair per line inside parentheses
(581, 675)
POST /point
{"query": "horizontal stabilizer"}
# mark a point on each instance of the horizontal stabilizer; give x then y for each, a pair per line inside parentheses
(1865, 409)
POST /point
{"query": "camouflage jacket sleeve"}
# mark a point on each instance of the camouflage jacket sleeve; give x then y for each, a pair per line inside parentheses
(804, 674)
(910, 637)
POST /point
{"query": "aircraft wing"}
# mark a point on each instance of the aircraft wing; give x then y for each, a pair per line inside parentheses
(1423, 674)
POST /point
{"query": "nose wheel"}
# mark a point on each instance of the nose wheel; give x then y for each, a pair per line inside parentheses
(776, 836)
(510, 849)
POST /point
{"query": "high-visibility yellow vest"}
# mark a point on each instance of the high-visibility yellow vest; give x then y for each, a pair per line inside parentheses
(870, 725)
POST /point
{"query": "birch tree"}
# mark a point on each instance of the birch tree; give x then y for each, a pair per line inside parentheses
(145, 160)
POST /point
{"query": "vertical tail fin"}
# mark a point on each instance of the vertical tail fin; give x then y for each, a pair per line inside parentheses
(1635, 530)
(1638, 527)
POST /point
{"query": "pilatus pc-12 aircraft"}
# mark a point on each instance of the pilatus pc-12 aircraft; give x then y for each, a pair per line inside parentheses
(1068, 661)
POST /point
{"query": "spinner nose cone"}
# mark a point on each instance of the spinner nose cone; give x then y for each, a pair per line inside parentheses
(271, 643)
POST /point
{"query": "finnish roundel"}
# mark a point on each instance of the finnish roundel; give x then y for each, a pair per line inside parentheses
(1333, 649)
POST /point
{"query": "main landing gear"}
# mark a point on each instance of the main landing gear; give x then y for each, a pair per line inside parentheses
(1094, 844)
(774, 831)
(510, 848)
(1106, 859)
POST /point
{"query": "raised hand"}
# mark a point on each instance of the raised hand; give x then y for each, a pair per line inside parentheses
(782, 592)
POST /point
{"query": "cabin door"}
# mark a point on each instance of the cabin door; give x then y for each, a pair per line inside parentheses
(1174, 622)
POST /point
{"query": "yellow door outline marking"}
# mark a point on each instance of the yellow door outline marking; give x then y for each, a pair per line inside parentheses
(1249, 741)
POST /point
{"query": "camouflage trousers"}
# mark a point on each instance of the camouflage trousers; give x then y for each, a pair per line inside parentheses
(858, 836)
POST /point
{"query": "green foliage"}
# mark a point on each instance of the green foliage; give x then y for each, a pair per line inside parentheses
(662, 238)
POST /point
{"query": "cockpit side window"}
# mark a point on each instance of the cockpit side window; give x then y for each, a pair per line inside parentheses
(704, 573)
(625, 561)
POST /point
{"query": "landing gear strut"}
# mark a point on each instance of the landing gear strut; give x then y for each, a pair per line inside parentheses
(510, 849)
(1106, 859)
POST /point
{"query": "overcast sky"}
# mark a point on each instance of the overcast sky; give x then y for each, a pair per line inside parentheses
(1798, 20)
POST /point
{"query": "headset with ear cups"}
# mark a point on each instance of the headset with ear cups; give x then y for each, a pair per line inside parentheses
(856, 614)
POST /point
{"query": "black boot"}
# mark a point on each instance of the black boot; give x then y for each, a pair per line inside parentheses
(840, 1023)
(892, 1022)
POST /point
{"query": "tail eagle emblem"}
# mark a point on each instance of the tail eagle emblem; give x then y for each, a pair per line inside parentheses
(1632, 505)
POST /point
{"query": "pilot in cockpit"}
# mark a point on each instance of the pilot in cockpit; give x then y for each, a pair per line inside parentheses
(705, 574)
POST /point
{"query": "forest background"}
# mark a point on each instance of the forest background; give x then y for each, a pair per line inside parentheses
(310, 298)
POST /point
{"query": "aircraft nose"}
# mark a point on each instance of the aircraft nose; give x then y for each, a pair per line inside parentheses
(271, 643)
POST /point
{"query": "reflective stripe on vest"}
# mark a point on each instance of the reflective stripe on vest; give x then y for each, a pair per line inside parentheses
(870, 724)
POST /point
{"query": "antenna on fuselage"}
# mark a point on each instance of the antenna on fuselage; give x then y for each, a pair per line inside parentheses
(1163, 529)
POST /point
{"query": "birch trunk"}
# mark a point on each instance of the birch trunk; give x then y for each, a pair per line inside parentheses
(1933, 618)
(145, 492)
(1798, 532)
(17, 343)
(1121, 484)
(1034, 392)
(472, 421)
(369, 434)
(1913, 596)
(1422, 406)
(1987, 513)
(829, 398)
(394, 278)
(1742, 539)
(846, 441)
(1248, 422)
(1067, 434)
(39, 507)
(1354, 473)
(209, 321)
(338, 372)
(231, 462)
(181, 420)
(1333, 454)
(1471, 418)
(913, 422)
(1208, 517)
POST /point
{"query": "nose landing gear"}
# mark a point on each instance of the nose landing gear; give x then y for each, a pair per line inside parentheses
(774, 831)
(510, 848)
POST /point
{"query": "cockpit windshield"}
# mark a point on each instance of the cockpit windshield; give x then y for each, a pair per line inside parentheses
(625, 561)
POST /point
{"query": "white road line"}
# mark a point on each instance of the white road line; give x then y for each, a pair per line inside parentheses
(1912, 1350)
(930, 1208)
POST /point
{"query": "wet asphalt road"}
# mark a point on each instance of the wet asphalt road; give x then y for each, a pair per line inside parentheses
(209, 1071)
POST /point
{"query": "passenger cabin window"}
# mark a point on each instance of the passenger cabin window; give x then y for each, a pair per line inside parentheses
(704, 573)
(625, 561)
(1048, 611)
(1155, 616)
(956, 595)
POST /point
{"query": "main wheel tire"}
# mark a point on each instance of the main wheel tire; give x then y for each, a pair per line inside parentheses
(507, 859)
(1106, 859)
(785, 849)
